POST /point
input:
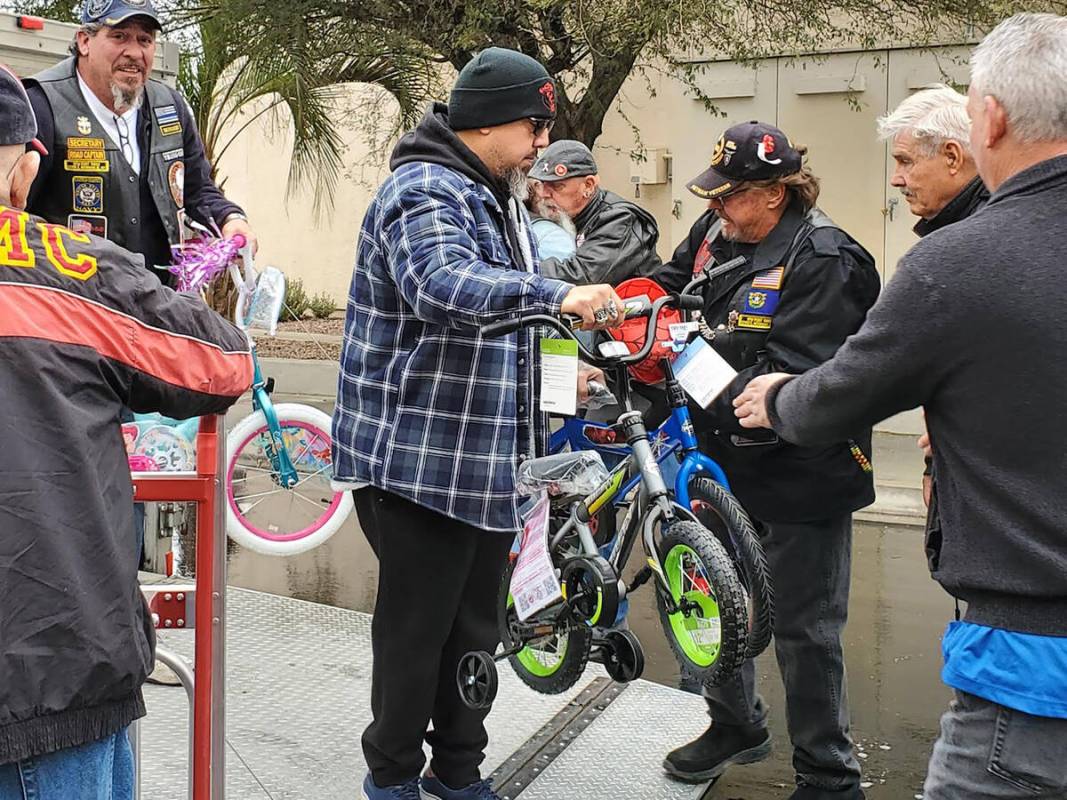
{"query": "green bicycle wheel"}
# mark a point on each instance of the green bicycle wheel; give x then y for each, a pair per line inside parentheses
(708, 630)
(551, 664)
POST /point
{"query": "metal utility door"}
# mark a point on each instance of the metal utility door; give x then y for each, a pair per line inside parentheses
(740, 93)
(831, 104)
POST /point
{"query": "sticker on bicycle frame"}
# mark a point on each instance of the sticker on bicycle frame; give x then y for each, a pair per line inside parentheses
(559, 376)
(534, 584)
(702, 372)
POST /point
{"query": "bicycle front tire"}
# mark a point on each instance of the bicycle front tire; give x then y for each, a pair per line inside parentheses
(266, 517)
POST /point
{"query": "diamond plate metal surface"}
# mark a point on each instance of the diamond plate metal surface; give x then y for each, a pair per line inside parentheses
(298, 698)
(621, 754)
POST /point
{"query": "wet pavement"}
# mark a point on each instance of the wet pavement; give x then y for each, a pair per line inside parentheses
(892, 650)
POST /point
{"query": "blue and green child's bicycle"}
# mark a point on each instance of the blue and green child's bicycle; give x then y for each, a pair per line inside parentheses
(702, 554)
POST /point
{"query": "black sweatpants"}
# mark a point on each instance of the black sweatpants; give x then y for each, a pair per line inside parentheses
(438, 580)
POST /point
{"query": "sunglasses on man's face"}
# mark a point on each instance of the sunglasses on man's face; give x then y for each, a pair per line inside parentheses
(541, 125)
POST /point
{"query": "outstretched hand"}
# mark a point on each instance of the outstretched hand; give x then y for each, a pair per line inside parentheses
(750, 407)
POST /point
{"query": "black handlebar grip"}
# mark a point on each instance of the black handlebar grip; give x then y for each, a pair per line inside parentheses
(501, 327)
(690, 302)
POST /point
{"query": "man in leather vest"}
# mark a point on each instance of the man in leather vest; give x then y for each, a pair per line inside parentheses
(616, 238)
(126, 163)
(804, 287)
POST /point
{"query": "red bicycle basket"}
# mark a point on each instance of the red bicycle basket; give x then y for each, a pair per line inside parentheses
(632, 332)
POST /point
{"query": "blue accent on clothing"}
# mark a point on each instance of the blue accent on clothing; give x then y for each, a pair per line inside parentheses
(1023, 671)
(102, 770)
(552, 240)
(761, 301)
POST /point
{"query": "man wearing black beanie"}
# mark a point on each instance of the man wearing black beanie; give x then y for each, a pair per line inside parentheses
(431, 419)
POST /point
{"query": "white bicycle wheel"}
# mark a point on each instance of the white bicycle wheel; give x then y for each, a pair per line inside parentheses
(266, 517)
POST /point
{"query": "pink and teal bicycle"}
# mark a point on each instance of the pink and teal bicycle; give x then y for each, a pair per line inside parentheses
(278, 459)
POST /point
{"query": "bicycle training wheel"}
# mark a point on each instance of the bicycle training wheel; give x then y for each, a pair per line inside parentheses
(267, 517)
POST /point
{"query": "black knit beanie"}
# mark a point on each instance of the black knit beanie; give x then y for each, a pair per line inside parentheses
(499, 86)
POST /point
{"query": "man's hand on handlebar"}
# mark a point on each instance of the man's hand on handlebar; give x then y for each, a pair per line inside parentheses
(598, 306)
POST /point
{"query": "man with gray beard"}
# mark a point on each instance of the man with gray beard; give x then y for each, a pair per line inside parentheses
(126, 162)
(552, 228)
(432, 418)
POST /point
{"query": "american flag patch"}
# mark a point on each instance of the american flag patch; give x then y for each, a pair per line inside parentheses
(166, 115)
(769, 279)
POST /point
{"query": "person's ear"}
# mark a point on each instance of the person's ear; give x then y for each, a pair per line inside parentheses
(82, 39)
(954, 156)
(777, 197)
(22, 175)
(996, 121)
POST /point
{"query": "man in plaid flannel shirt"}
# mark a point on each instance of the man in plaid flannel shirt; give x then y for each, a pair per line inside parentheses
(432, 419)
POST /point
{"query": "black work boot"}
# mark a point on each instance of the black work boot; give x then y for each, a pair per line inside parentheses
(805, 792)
(708, 756)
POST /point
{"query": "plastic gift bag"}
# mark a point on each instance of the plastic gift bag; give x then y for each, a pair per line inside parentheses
(567, 474)
(261, 308)
(155, 443)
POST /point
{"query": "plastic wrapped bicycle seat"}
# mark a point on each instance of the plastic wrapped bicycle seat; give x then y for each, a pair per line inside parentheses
(578, 473)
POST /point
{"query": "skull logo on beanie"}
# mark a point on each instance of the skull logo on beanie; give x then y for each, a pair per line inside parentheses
(499, 86)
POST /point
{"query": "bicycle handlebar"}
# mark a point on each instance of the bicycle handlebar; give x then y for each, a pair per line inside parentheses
(709, 274)
(566, 329)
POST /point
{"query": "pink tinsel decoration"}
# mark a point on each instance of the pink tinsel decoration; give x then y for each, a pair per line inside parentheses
(198, 262)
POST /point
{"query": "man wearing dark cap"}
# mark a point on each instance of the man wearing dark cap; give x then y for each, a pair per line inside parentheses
(76, 638)
(432, 419)
(127, 163)
(616, 238)
(804, 287)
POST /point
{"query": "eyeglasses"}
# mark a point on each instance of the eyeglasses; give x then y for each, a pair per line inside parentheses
(541, 125)
(739, 189)
(125, 144)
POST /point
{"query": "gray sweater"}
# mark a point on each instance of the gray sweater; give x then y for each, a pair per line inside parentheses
(973, 327)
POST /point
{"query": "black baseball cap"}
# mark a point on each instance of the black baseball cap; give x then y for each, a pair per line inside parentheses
(563, 159)
(115, 12)
(751, 151)
(18, 125)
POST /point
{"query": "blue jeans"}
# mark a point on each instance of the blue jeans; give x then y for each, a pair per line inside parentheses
(992, 752)
(101, 770)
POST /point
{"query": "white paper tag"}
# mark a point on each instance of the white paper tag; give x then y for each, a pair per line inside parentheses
(708, 632)
(533, 583)
(559, 376)
(680, 330)
(702, 372)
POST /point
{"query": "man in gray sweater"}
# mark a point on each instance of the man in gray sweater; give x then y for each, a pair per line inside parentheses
(972, 327)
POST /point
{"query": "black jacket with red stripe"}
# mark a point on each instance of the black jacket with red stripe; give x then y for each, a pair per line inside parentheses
(85, 329)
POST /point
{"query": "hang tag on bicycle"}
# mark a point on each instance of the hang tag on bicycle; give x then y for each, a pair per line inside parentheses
(559, 376)
(534, 584)
(702, 372)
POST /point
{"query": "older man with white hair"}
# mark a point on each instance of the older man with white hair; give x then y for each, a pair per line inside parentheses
(971, 327)
(929, 137)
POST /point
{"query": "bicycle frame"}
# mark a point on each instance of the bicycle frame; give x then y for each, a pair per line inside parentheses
(651, 505)
(274, 447)
(675, 437)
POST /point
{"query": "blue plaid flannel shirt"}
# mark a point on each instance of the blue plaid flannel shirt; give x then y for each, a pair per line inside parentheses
(426, 408)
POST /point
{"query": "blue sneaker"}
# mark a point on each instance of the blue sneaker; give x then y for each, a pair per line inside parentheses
(432, 789)
(405, 791)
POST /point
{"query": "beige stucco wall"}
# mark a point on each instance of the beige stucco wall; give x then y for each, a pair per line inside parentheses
(830, 104)
(317, 249)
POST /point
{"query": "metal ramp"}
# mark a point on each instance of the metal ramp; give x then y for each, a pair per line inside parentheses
(298, 697)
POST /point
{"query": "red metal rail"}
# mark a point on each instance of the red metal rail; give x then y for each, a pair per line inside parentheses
(205, 489)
